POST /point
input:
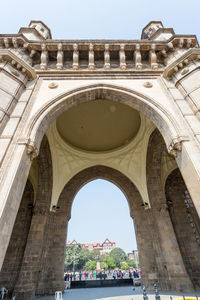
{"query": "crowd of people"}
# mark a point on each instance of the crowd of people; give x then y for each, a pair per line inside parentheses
(102, 275)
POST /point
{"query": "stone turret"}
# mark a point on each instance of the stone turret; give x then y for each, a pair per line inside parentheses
(36, 31)
(155, 30)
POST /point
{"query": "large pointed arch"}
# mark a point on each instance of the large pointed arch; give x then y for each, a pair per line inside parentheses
(159, 115)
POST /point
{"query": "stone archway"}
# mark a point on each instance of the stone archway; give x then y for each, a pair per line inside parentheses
(159, 115)
(51, 277)
(45, 77)
(34, 130)
(47, 236)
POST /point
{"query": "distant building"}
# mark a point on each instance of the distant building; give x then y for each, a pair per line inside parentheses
(133, 255)
(104, 247)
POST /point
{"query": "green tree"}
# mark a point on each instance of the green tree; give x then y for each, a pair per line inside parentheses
(131, 263)
(91, 265)
(119, 255)
(76, 256)
(94, 253)
(111, 262)
(124, 265)
(104, 265)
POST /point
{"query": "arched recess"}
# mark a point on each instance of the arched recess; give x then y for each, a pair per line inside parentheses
(186, 224)
(58, 233)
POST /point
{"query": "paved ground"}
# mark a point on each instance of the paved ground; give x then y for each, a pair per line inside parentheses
(112, 293)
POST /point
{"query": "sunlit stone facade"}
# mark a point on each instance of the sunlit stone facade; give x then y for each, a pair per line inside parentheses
(75, 110)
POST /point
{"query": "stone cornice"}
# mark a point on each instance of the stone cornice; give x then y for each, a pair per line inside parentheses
(98, 55)
(51, 42)
(182, 61)
(18, 63)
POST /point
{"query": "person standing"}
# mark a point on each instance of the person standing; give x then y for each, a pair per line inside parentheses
(80, 275)
(74, 276)
(114, 275)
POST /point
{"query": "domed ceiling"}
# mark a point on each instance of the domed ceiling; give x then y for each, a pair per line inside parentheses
(99, 125)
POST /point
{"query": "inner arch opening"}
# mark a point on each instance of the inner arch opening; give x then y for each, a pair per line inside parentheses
(100, 222)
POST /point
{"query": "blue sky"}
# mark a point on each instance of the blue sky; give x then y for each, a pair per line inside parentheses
(100, 210)
(112, 19)
(104, 19)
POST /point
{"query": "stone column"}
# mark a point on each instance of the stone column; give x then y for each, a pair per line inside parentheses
(186, 224)
(15, 251)
(16, 84)
(169, 262)
(143, 229)
(51, 278)
(11, 190)
(31, 264)
(183, 82)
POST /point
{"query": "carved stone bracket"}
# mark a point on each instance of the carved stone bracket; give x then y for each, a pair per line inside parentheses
(32, 150)
(175, 146)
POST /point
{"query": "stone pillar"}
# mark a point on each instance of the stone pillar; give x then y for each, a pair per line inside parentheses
(169, 263)
(11, 85)
(31, 264)
(51, 278)
(14, 77)
(188, 83)
(183, 81)
(15, 251)
(143, 229)
(16, 84)
(11, 190)
(186, 224)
